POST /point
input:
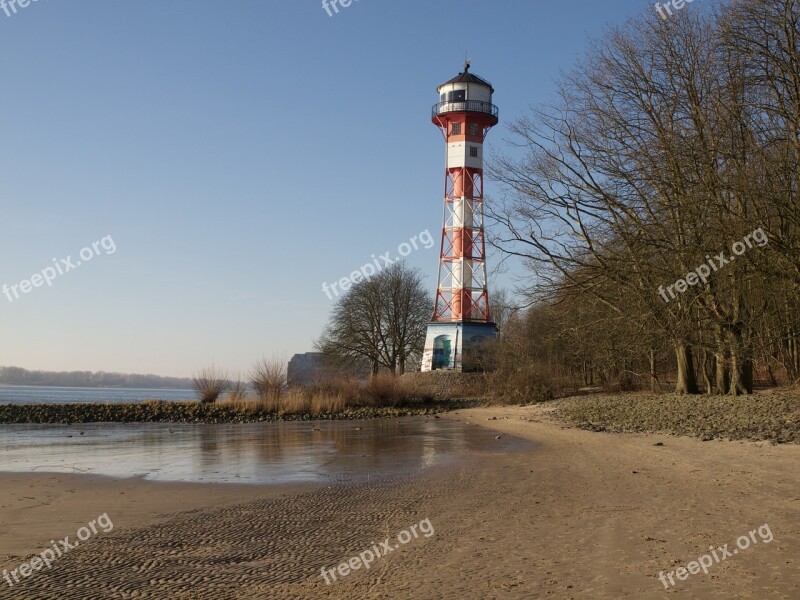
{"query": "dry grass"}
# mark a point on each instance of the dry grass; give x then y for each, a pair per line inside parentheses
(237, 391)
(325, 403)
(251, 403)
(294, 402)
(348, 390)
(385, 390)
(324, 397)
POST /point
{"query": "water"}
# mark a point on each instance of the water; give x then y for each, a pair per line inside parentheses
(318, 451)
(32, 394)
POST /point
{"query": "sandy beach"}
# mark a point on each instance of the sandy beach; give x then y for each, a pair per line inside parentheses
(578, 515)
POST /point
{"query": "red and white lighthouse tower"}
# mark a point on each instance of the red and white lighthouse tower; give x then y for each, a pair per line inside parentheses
(462, 317)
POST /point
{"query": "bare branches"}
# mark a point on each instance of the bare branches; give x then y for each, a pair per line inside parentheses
(268, 378)
(380, 320)
(668, 143)
(210, 383)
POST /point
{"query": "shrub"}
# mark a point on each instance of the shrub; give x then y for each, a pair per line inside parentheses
(521, 385)
(268, 378)
(210, 384)
(385, 390)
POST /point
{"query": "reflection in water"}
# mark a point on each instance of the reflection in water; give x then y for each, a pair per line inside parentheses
(246, 453)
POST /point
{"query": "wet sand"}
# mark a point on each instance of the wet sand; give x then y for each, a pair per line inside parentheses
(579, 515)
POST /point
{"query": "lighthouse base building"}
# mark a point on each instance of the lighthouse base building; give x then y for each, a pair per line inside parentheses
(456, 346)
(462, 319)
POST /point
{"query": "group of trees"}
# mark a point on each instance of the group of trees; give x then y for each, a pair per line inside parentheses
(19, 376)
(674, 140)
(657, 206)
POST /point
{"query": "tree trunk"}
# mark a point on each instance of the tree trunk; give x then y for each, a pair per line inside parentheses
(723, 374)
(655, 386)
(588, 374)
(747, 376)
(686, 381)
(707, 370)
(741, 374)
(772, 381)
(793, 362)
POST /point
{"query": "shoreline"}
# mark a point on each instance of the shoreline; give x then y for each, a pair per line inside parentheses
(196, 413)
(580, 515)
(768, 415)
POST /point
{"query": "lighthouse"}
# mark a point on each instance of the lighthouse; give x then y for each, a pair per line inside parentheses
(462, 319)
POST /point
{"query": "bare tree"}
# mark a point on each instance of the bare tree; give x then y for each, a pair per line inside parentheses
(503, 309)
(380, 320)
(407, 312)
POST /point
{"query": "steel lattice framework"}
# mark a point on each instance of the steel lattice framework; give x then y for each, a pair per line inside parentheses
(462, 287)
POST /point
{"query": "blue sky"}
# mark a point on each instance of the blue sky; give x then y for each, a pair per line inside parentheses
(239, 154)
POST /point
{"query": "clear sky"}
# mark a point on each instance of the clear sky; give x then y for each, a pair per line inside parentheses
(238, 154)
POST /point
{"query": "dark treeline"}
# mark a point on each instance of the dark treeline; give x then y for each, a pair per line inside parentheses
(19, 376)
(673, 141)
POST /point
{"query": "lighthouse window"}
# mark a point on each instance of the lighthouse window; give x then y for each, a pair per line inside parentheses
(473, 151)
(457, 96)
(473, 129)
(456, 130)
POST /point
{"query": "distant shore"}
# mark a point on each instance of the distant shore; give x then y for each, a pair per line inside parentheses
(194, 412)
